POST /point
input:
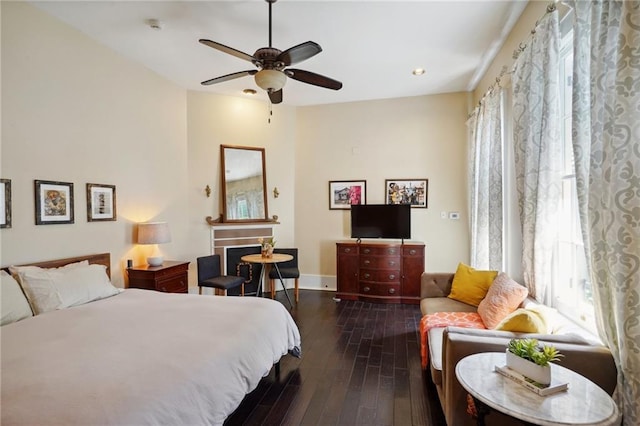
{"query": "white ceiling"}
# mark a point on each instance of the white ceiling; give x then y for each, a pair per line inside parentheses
(370, 46)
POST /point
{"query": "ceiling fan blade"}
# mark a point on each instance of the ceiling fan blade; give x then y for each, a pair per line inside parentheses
(276, 97)
(228, 77)
(313, 78)
(227, 49)
(299, 53)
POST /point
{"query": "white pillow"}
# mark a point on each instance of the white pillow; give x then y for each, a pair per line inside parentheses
(14, 305)
(51, 289)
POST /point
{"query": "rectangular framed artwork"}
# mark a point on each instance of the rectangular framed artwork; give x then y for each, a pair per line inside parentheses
(5, 203)
(101, 202)
(54, 202)
(407, 191)
(343, 193)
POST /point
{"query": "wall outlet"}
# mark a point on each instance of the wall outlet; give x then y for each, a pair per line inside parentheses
(454, 215)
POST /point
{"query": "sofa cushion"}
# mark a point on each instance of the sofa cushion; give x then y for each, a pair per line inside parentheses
(431, 305)
(435, 354)
(470, 285)
(504, 296)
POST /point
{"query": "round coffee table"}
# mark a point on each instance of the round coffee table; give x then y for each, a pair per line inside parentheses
(584, 403)
(267, 262)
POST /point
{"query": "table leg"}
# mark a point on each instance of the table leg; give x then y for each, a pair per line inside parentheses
(282, 282)
(260, 281)
(482, 410)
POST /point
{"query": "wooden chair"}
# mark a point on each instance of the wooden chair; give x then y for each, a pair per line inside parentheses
(209, 275)
(288, 270)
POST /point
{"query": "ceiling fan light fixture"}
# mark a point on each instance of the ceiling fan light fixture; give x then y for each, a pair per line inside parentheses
(270, 80)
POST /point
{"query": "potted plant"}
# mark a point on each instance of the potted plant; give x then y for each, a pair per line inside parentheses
(529, 359)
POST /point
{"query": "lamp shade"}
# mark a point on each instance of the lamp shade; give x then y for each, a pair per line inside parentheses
(153, 233)
(270, 79)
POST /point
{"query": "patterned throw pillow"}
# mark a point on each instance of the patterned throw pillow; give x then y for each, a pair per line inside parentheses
(504, 296)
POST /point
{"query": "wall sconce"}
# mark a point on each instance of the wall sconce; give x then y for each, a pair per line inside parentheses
(207, 190)
(276, 193)
(154, 233)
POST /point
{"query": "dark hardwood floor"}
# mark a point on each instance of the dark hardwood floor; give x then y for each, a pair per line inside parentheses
(360, 365)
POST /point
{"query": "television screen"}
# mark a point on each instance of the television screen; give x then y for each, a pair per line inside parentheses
(381, 221)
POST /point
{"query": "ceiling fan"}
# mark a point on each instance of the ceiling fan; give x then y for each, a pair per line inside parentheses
(272, 73)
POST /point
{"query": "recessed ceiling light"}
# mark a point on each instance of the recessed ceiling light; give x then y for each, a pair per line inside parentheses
(418, 71)
(249, 92)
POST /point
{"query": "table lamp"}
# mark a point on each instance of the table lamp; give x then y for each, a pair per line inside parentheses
(154, 233)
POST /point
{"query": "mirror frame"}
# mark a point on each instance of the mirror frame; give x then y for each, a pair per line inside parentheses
(223, 184)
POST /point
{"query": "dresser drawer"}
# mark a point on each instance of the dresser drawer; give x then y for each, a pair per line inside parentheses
(377, 289)
(172, 285)
(347, 250)
(413, 251)
(380, 276)
(380, 251)
(388, 262)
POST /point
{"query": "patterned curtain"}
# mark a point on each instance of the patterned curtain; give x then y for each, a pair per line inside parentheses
(537, 151)
(606, 143)
(486, 182)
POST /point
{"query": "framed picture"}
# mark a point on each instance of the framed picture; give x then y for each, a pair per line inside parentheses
(407, 191)
(101, 202)
(343, 193)
(54, 202)
(5, 203)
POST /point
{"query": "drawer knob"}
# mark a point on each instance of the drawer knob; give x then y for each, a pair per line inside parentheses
(366, 289)
(392, 263)
(366, 262)
(392, 276)
(392, 251)
(366, 250)
(367, 275)
(392, 290)
(347, 250)
(412, 252)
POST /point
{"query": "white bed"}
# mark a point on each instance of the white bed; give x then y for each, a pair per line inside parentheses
(141, 357)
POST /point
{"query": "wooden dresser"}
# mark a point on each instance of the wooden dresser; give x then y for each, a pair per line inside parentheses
(171, 277)
(380, 272)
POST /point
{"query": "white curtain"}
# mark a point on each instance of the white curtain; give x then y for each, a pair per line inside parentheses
(537, 150)
(486, 182)
(606, 142)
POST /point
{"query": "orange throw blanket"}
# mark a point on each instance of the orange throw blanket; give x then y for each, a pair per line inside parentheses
(444, 319)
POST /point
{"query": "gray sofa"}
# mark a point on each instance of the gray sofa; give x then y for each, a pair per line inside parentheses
(448, 345)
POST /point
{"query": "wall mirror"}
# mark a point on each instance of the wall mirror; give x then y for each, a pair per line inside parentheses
(244, 181)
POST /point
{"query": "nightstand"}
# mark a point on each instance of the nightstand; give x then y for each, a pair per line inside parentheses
(171, 277)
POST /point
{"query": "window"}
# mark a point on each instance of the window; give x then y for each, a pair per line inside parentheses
(571, 290)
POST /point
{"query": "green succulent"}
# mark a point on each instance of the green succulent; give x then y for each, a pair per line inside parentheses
(530, 350)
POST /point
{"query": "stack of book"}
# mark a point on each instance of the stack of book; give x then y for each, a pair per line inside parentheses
(532, 385)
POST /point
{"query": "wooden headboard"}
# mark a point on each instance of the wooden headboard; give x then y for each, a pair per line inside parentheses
(99, 259)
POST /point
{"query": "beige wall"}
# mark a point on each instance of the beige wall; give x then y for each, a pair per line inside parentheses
(74, 111)
(418, 137)
(215, 120)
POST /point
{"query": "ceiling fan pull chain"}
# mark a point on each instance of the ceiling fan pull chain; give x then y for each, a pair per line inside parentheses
(270, 109)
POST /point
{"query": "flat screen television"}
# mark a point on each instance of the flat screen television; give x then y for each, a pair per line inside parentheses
(381, 221)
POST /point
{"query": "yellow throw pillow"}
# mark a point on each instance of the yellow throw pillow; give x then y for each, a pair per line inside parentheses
(469, 285)
(523, 321)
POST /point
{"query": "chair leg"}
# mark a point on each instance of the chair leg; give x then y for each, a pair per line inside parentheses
(242, 290)
(296, 291)
(200, 291)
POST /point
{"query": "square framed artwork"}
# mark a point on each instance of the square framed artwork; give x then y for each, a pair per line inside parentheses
(344, 193)
(54, 202)
(407, 191)
(5, 202)
(101, 202)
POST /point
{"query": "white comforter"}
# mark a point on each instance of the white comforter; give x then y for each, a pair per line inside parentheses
(141, 357)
